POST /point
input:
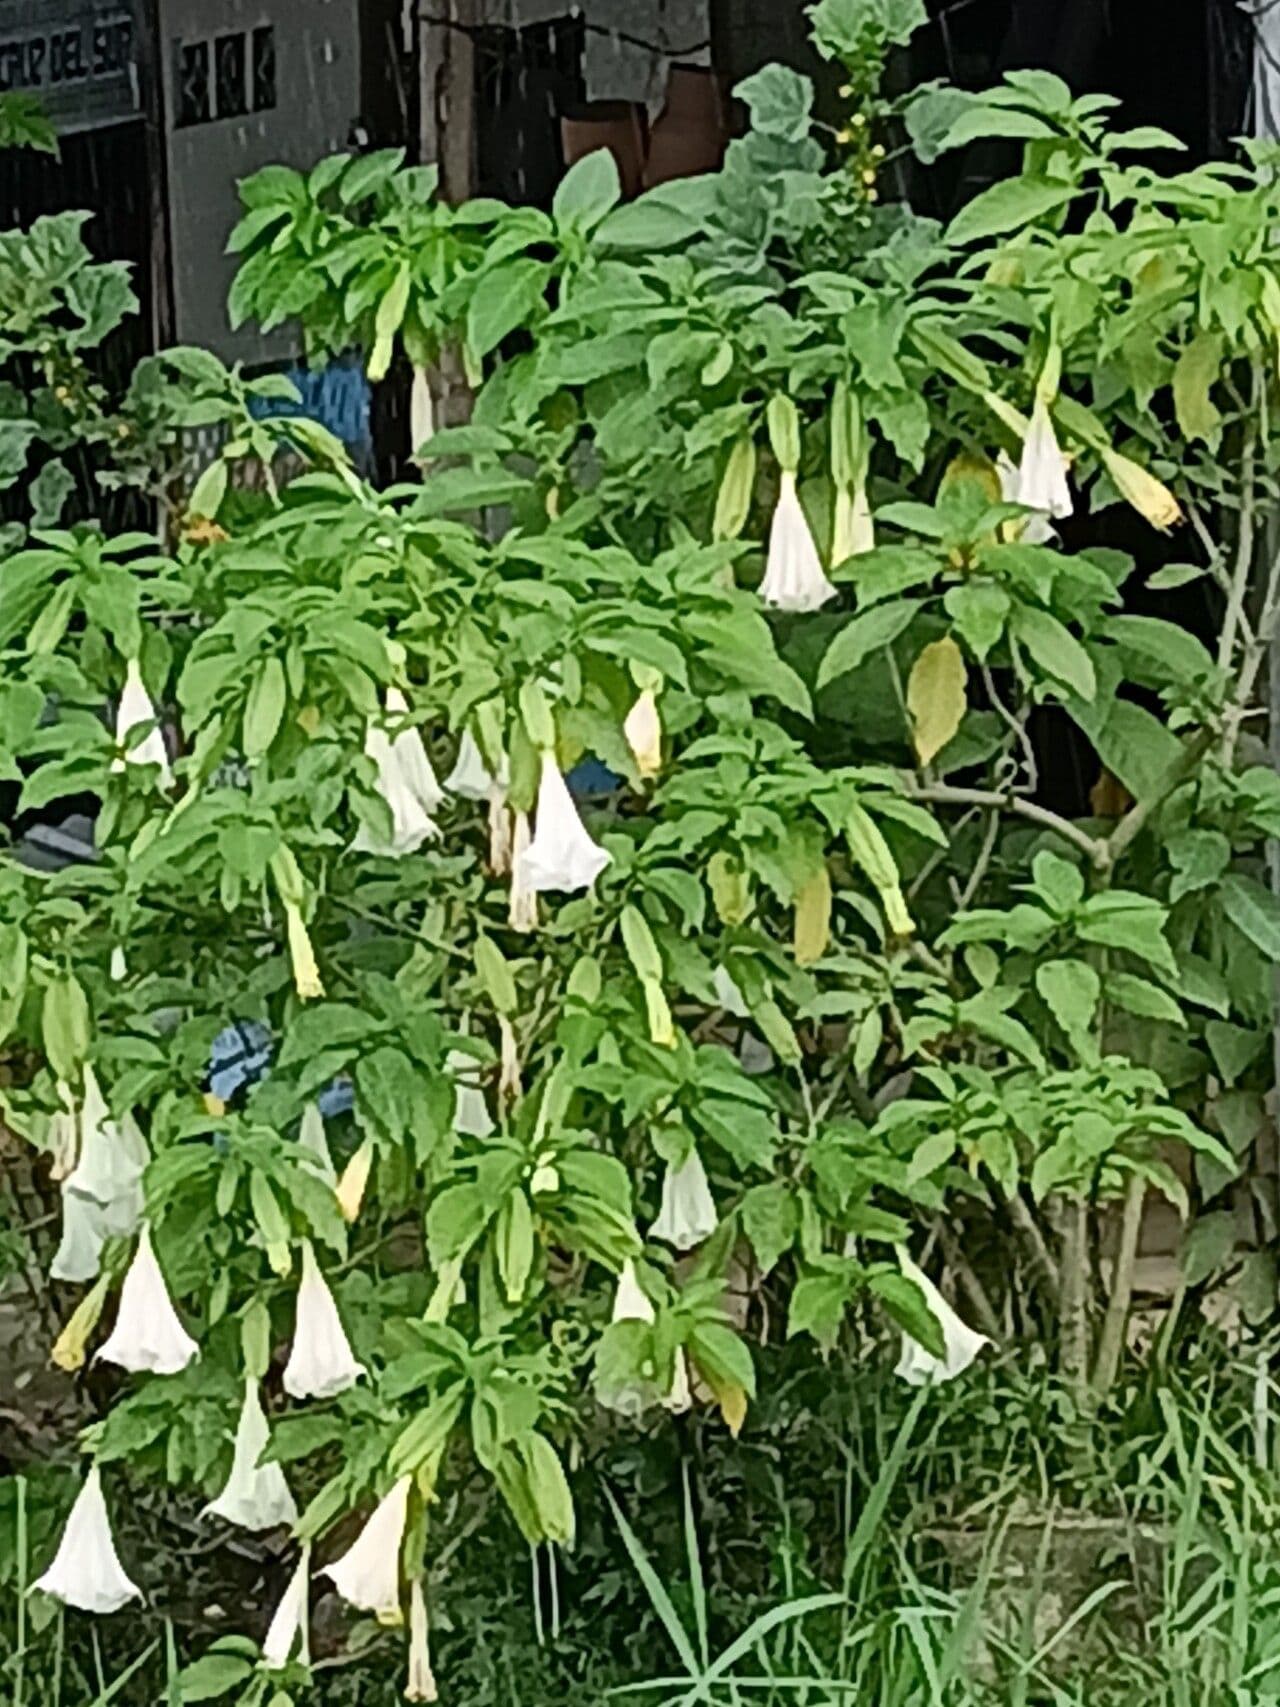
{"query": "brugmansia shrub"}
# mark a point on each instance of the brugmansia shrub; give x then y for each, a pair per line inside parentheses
(575, 1082)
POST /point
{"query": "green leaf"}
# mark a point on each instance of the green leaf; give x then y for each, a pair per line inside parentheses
(264, 708)
(1132, 923)
(65, 1026)
(1008, 206)
(505, 297)
(906, 1304)
(1254, 911)
(867, 633)
(1199, 858)
(588, 190)
(209, 490)
(212, 1675)
(979, 610)
(1070, 990)
(780, 102)
(1194, 377)
(1209, 1246)
(1141, 997)
(770, 1220)
(496, 976)
(1054, 649)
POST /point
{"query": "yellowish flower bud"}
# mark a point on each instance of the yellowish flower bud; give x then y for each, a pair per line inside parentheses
(69, 1349)
(355, 1177)
(1149, 496)
(306, 974)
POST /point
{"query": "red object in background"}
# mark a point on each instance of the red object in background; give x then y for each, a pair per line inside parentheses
(690, 134)
(619, 126)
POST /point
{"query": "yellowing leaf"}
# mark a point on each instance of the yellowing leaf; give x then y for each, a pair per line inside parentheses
(1198, 368)
(812, 930)
(936, 697)
(733, 1407)
(969, 469)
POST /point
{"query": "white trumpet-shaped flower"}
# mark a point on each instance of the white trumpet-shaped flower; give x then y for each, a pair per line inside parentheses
(119, 967)
(629, 1303)
(256, 1496)
(406, 783)
(853, 529)
(62, 1138)
(470, 777)
(421, 1684)
(79, 1254)
(688, 1213)
(148, 1335)
(522, 909)
(135, 708)
(794, 578)
(311, 1137)
(1042, 473)
(643, 730)
(1036, 529)
(355, 1177)
(289, 1621)
(561, 854)
(679, 1398)
(368, 1573)
(113, 1157)
(321, 1362)
(501, 834)
(86, 1571)
(470, 1110)
(917, 1366)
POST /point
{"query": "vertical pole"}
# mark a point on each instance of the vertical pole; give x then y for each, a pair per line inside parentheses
(148, 50)
(446, 138)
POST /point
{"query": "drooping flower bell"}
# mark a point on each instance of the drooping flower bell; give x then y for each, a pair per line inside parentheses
(62, 1137)
(917, 1366)
(136, 708)
(470, 1111)
(256, 1496)
(79, 1254)
(288, 879)
(421, 1684)
(629, 1302)
(422, 413)
(311, 1138)
(1037, 528)
(321, 1362)
(71, 1344)
(147, 1337)
(561, 854)
(470, 777)
(113, 1158)
(688, 1213)
(86, 1571)
(679, 1397)
(794, 579)
(368, 1573)
(1042, 473)
(407, 784)
(522, 910)
(289, 1620)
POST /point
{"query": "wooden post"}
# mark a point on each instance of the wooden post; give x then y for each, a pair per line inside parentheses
(446, 138)
(148, 58)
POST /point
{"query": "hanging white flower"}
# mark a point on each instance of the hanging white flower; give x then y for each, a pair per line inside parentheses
(794, 578)
(561, 854)
(256, 1495)
(148, 1337)
(727, 993)
(422, 411)
(321, 1362)
(62, 1137)
(406, 783)
(135, 708)
(643, 730)
(1036, 529)
(522, 910)
(289, 1621)
(470, 1110)
(86, 1571)
(1042, 473)
(917, 1366)
(113, 1157)
(119, 967)
(688, 1213)
(78, 1257)
(470, 777)
(311, 1137)
(510, 1085)
(368, 1573)
(629, 1303)
(679, 1398)
(421, 1685)
(853, 531)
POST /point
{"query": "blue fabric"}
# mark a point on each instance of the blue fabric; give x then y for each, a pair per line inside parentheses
(337, 396)
(241, 1056)
(590, 777)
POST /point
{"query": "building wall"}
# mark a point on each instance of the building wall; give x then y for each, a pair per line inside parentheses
(238, 98)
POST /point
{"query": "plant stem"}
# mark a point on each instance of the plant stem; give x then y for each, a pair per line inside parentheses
(1111, 1339)
(1074, 1350)
(988, 1321)
(941, 794)
(1041, 1259)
